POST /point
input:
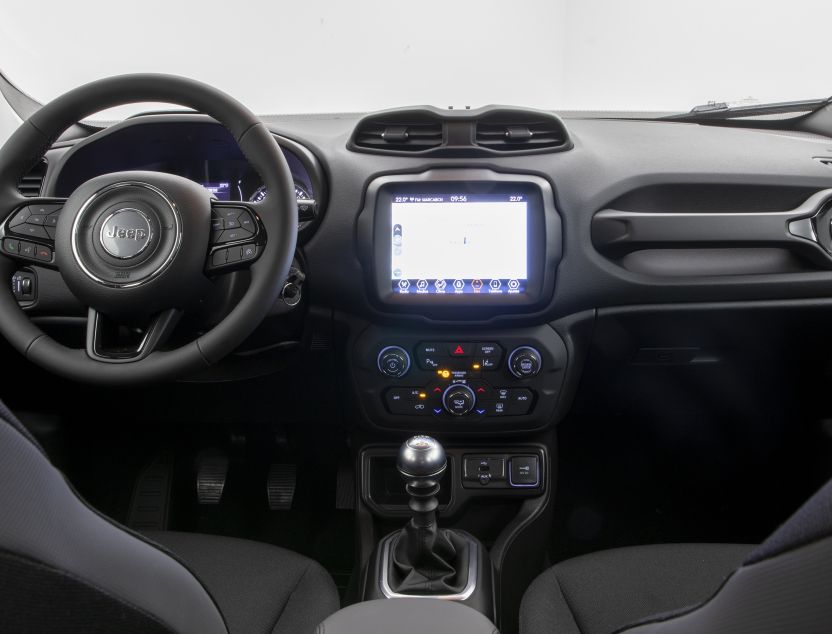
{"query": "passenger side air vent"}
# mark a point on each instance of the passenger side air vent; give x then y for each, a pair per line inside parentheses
(31, 182)
(402, 133)
(521, 132)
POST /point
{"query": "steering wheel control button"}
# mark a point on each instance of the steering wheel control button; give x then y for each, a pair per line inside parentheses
(249, 251)
(459, 400)
(20, 217)
(43, 253)
(12, 247)
(27, 249)
(32, 231)
(126, 233)
(219, 257)
(524, 471)
(235, 254)
(525, 362)
(246, 222)
(393, 361)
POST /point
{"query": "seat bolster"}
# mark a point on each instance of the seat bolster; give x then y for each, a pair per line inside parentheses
(608, 590)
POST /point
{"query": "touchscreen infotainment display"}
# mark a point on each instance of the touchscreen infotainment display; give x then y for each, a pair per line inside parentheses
(459, 243)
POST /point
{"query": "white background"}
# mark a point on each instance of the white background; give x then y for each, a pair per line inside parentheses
(433, 233)
(347, 56)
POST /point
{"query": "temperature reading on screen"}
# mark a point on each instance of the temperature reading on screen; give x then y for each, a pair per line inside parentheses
(516, 199)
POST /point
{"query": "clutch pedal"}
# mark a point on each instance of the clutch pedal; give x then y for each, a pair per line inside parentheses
(280, 486)
(212, 471)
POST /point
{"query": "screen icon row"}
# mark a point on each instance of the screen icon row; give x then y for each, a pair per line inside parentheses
(440, 285)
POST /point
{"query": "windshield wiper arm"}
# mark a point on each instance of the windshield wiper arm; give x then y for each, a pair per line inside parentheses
(722, 111)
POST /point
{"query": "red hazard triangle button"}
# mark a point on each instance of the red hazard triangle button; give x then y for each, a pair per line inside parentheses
(461, 349)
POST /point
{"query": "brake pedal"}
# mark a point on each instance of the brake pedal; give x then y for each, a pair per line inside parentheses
(150, 501)
(212, 471)
(280, 486)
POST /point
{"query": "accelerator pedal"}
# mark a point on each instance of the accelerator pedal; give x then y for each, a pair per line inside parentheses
(280, 486)
(211, 473)
(150, 502)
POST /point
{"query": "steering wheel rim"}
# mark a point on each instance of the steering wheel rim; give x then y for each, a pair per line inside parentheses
(278, 214)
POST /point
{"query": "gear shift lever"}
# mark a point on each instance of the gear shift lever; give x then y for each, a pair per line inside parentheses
(426, 560)
(421, 462)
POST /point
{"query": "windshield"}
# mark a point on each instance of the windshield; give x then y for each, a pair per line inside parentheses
(315, 56)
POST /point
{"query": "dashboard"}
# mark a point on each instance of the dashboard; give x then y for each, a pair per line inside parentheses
(461, 251)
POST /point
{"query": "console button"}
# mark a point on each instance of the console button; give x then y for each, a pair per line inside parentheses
(524, 362)
(460, 349)
(459, 399)
(393, 361)
(524, 471)
(430, 355)
(489, 349)
(519, 402)
(483, 390)
(398, 400)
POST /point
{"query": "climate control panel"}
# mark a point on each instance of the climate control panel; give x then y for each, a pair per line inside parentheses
(480, 381)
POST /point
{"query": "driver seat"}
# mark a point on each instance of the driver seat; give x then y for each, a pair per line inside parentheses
(66, 568)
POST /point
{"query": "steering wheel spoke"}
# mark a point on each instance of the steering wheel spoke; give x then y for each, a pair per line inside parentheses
(112, 342)
(237, 237)
(28, 233)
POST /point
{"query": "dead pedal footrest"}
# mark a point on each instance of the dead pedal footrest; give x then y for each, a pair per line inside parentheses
(280, 486)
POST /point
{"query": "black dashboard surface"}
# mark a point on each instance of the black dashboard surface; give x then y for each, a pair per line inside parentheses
(638, 166)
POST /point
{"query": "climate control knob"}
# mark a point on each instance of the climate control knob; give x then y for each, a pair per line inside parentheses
(393, 361)
(524, 362)
(458, 400)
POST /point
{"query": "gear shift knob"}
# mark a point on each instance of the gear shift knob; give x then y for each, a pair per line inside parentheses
(421, 461)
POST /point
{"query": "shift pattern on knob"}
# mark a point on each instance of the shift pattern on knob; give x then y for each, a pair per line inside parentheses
(459, 400)
(421, 457)
(393, 361)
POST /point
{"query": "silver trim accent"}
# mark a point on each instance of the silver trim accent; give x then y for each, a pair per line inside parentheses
(406, 360)
(84, 207)
(467, 591)
(150, 234)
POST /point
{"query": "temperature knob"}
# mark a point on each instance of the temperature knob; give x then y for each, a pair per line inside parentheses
(459, 400)
(524, 362)
(393, 361)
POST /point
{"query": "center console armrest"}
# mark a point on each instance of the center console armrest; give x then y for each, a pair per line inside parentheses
(407, 616)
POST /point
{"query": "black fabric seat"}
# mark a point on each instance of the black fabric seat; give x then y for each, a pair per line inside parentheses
(66, 568)
(783, 585)
(257, 587)
(603, 591)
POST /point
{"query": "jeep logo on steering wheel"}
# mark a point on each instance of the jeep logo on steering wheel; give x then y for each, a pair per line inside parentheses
(126, 233)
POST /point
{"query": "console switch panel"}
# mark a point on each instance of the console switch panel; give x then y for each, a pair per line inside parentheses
(500, 471)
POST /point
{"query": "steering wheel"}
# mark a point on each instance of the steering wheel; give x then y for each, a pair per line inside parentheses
(141, 248)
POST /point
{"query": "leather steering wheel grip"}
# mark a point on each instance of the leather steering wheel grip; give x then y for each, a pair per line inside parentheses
(278, 214)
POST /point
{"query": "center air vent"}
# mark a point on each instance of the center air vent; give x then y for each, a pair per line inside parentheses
(31, 182)
(399, 134)
(480, 132)
(520, 133)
